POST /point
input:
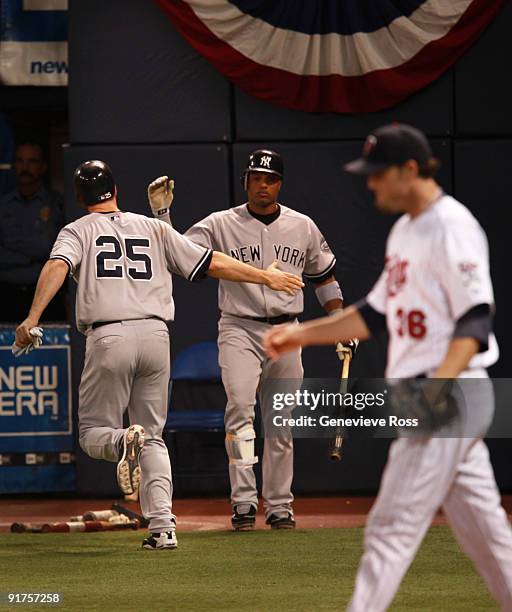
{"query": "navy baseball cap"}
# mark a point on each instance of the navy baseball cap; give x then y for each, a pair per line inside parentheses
(391, 145)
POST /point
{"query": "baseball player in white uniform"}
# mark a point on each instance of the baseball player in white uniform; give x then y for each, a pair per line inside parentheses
(123, 264)
(258, 233)
(436, 299)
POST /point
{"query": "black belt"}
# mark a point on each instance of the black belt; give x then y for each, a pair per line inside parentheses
(284, 318)
(102, 323)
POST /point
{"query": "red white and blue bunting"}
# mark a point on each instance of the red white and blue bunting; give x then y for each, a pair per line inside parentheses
(331, 55)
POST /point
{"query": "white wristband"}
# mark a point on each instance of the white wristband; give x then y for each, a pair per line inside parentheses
(328, 292)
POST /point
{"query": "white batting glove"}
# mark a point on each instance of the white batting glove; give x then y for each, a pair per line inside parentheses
(350, 347)
(37, 339)
(160, 195)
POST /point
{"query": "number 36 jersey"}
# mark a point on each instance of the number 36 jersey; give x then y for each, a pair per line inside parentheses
(123, 264)
(436, 270)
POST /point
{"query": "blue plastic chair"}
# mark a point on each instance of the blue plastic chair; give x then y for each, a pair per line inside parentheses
(199, 362)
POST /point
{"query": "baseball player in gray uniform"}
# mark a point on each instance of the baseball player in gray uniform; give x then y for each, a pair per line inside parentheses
(259, 232)
(435, 297)
(123, 264)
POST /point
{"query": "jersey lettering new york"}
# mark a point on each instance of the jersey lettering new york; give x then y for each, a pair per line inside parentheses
(293, 240)
(252, 254)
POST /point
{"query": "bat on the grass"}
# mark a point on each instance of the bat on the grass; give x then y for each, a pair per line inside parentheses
(336, 450)
(131, 514)
(74, 526)
(99, 515)
(26, 528)
(88, 526)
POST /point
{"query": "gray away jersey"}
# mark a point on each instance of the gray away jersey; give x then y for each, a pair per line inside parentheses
(292, 239)
(123, 264)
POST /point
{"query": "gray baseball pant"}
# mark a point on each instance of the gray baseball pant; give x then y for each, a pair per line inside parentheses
(127, 367)
(244, 366)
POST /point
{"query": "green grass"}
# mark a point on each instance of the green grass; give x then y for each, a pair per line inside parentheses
(301, 570)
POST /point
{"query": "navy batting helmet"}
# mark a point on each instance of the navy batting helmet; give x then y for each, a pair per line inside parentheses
(94, 183)
(263, 160)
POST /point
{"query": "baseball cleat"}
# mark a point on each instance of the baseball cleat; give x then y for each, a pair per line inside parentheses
(243, 521)
(161, 541)
(281, 522)
(128, 469)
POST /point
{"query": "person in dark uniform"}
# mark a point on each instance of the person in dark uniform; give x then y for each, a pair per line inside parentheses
(7, 178)
(30, 219)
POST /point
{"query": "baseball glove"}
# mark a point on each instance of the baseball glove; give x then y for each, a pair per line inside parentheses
(431, 401)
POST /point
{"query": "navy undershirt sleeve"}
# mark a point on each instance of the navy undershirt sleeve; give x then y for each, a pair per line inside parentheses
(375, 321)
(477, 324)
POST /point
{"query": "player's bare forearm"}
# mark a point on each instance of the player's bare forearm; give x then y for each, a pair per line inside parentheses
(329, 295)
(333, 305)
(340, 327)
(457, 358)
(327, 330)
(50, 281)
(226, 267)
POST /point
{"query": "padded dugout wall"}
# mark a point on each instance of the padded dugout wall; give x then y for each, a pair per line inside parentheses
(258, 120)
(481, 176)
(134, 79)
(483, 89)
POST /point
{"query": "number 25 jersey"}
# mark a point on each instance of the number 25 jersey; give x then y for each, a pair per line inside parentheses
(123, 264)
(436, 270)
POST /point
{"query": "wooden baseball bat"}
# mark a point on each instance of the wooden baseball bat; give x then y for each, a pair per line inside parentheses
(111, 525)
(88, 526)
(99, 515)
(26, 528)
(336, 450)
(130, 514)
(76, 526)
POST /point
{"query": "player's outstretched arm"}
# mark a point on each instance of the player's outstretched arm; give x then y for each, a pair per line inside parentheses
(226, 267)
(160, 196)
(50, 281)
(328, 293)
(327, 330)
